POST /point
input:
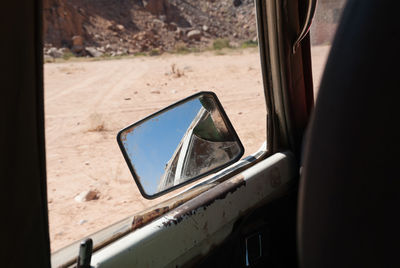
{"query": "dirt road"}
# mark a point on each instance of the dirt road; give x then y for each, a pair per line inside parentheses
(87, 103)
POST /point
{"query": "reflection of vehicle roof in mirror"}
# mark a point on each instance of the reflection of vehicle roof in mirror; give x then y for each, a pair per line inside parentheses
(169, 178)
(205, 145)
(215, 128)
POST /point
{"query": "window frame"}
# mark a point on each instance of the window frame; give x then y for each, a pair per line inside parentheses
(282, 127)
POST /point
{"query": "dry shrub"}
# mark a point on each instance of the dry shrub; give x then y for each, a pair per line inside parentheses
(97, 123)
(176, 71)
(219, 44)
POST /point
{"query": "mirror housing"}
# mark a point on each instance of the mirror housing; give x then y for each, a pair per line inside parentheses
(177, 145)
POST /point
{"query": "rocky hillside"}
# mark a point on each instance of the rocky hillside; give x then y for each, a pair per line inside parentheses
(115, 27)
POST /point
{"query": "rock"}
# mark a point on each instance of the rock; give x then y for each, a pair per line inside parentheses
(77, 49)
(234, 44)
(158, 23)
(214, 19)
(132, 51)
(120, 27)
(55, 53)
(237, 3)
(179, 32)
(82, 222)
(64, 50)
(172, 26)
(77, 44)
(157, 7)
(93, 52)
(194, 35)
(155, 92)
(145, 35)
(77, 40)
(87, 196)
(122, 51)
(48, 58)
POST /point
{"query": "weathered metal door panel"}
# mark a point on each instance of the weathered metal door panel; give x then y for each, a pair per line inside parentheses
(193, 229)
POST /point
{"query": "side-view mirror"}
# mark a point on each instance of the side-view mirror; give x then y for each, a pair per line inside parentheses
(179, 144)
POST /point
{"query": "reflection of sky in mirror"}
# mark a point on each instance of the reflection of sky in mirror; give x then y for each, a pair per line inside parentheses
(151, 145)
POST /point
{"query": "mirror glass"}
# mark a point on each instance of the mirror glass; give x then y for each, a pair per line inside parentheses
(183, 142)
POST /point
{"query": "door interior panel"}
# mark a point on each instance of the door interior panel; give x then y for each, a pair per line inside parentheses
(203, 225)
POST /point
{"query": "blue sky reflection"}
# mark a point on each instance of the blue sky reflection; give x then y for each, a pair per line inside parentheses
(151, 144)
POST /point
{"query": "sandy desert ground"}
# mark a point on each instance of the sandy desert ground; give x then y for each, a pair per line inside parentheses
(88, 102)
